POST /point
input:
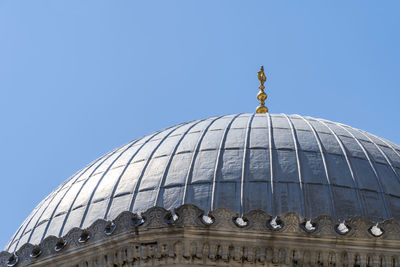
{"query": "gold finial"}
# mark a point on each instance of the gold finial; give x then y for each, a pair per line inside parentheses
(261, 96)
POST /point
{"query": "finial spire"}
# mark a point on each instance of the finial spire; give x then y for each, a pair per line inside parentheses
(261, 96)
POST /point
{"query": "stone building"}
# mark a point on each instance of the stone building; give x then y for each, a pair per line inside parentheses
(236, 190)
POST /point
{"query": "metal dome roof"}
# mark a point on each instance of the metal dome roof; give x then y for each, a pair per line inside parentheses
(272, 162)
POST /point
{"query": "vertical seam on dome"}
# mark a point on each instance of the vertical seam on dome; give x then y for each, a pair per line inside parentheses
(39, 206)
(386, 143)
(355, 183)
(136, 189)
(373, 169)
(25, 223)
(33, 229)
(11, 241)
(383, 153)
(295, 142)
(44, 210)
(245, 151)
(219, 155)
(194, 156)
(66, 192)
(124, 170)
(79, 191)
(100, 180)
(269, 120)
(321, 149)
(394, 150)
(171, 156)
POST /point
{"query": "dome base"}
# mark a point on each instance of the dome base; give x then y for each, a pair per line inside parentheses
(160, 239)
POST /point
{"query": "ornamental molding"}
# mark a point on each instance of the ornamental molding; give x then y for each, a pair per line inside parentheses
(187, 236)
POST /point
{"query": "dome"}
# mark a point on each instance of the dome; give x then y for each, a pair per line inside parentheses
(272, 162)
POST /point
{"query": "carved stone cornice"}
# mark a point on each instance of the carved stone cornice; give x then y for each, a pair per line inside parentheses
(163, 238)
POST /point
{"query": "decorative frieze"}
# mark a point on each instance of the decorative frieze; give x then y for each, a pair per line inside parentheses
(163, 238)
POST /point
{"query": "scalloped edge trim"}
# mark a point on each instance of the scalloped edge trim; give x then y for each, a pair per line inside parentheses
(189, 215)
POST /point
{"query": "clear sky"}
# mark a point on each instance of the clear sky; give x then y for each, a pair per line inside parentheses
(79, 78)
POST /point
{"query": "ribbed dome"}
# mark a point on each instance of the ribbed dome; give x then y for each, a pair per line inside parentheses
(276, 163)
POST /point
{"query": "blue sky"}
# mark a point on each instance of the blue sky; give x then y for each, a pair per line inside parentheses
(79, 78)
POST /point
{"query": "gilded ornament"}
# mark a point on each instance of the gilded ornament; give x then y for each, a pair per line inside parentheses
(261, 96)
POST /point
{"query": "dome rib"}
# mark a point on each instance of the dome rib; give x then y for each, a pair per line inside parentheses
(355, 184)
(124, 170)
(193, 159)
(272, 162)
(389, 145)
(245, 152)
(295, 143)
(383, 153)
(135, 192)
(66, 191)
(24, 225)
(171, 156)
(219, 154)
(54, 194)
(100, 180)
(80, 189)
(388, 215)
(323, 157)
